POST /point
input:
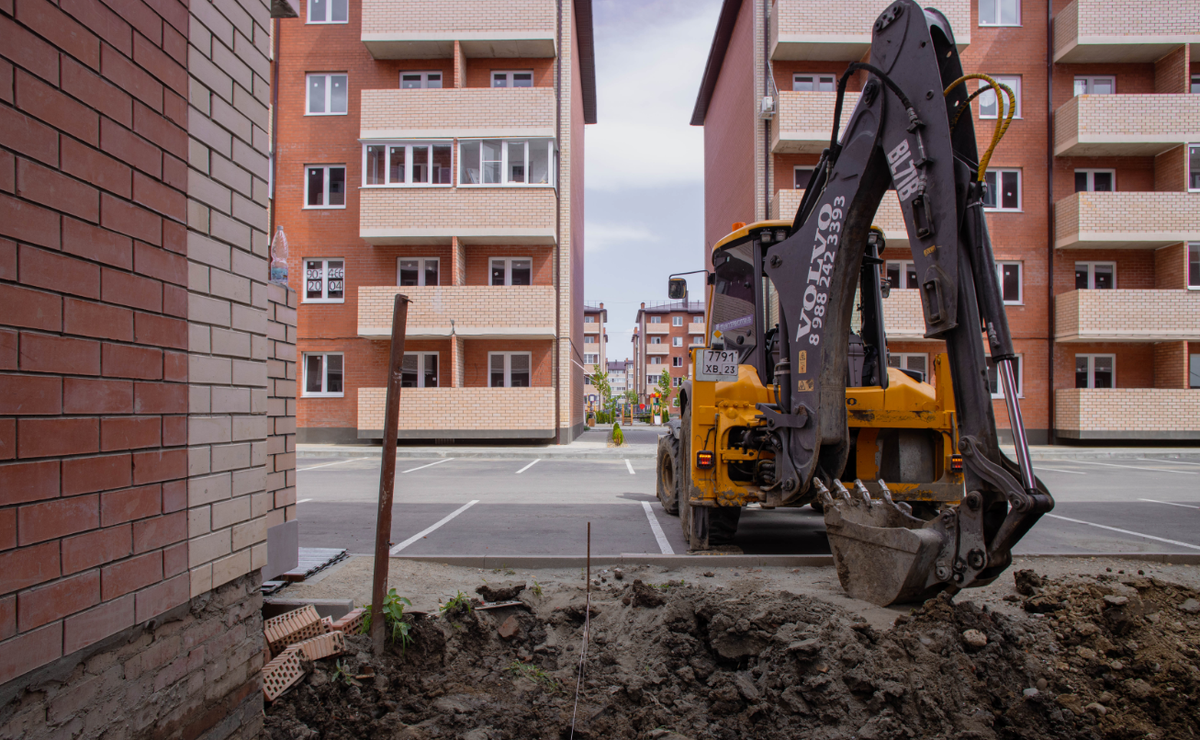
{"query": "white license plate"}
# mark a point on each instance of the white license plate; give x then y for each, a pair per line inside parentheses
(716, 364)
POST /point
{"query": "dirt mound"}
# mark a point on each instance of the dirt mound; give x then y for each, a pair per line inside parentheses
(1097, 658)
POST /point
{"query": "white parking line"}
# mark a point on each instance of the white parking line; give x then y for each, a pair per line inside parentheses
(1138, 467)
(658, 533)
(338, 462)
(530, 465)
(630, 466)
(430, 465)
(427, 530)
(1126, 531)
(1059, 470)
(304, 500)
(1168, 503)
(1168, 461)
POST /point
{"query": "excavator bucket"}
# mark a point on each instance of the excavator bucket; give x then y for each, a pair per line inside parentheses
(883, 553)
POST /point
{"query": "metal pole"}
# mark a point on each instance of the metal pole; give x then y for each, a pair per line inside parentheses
(387, 472)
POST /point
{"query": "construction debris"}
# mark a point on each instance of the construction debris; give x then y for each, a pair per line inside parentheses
(296, 639)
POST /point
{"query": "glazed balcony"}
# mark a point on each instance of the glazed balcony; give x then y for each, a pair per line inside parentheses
(786, 202)
(462, 413)
(476, 215)
(427, 29)
(1126, 220)
(815, 30)
(1125, 125)
(1127, 316)
(478, 311)
(465, 113)
(1104, 31)
(1127, 413)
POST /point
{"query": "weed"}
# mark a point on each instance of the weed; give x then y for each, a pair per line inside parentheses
(460, 602)
(340, 673)
(394, 618)
(505, 570)
(668, 585)
(537, 589)
(535, 674)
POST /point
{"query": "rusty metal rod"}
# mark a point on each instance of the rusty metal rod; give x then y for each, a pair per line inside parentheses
(387, 473)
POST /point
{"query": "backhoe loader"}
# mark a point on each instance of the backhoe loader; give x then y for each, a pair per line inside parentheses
(792, 402)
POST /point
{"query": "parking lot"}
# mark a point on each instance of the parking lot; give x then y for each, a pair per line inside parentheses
(541, 506)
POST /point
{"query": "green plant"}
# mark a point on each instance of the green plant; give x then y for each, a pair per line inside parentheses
(535, 674)
(341, 673)
(537, 589)
(618, 437)
(460, 602)
(394, 617)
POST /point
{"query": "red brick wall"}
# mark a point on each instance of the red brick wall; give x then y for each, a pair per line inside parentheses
(93, 308)
(1171, 365)
(1170, 267)
(1135, 362)
(1170, 170)
(1171, 72)
(479, 262)
(477, 360)
(479, 70)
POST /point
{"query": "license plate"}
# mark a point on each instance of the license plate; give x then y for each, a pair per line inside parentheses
(716, 364)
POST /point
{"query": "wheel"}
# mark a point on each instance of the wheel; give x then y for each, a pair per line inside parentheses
(669, 472)
(722, 524)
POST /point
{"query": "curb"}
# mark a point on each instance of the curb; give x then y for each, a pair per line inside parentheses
(733, 561)
(633, 452)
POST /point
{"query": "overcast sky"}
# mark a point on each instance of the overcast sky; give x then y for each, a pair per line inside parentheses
(644, 198)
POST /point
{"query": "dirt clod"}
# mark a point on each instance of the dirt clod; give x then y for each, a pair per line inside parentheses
(500, 591)
(509, 629)
(1027, 582)
(974, 638)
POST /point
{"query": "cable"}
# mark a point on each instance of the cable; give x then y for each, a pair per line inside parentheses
(1002, 122)
(841, 93)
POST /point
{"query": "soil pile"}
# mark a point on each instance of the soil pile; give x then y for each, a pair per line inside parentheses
(1108, 657)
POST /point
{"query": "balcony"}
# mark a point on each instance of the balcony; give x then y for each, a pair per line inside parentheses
(658, 328)
(1127, 316)
(696, 328)
(591, 328)
(462, 413)
(427, 29)
(1126, 220)
(903, 317)
(805, 121)
(1125, 125)
(786, 202)
(816, 30)
(658, 349)
(1103, 31)
(1127, 413)
(476, 215)
(478, 311)
(466, 113)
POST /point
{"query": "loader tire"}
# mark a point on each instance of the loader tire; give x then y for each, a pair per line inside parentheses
(669, 472)
(722, 524)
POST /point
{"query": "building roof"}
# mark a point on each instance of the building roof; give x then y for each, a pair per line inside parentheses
(587, 58)
(716, 58)
(672, 307)
(596, 309)
(617, 365)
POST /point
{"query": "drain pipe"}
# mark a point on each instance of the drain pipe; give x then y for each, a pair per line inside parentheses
(274, 117)
(555, 356)
(1051, 433)
(767, 122)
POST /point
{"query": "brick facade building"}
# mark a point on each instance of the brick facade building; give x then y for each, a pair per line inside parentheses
(663, 336)
(436, 149)
(1096, 217)
(595, 346)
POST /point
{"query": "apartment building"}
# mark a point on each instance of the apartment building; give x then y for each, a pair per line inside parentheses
(663, 338)
(435, 149)
(619, 376)
(595, 345)
(1094, 205)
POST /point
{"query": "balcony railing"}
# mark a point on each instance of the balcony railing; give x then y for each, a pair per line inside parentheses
(1127, 413)
(466, 113)
(1125, 125)
(696, 328)
(463, 413)
(903, 318)
(591, 328)
(1126, 220)
(478, 311)
(1127, 316)
(426, 29)
(786, 202)
(658, 328)
(805, 120)
(1116, 31)
(814, 30)
(658, 349)
(476, 215)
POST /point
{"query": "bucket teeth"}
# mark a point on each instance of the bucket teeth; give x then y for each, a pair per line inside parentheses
(843, 494)
(823, 492)
(862, 491)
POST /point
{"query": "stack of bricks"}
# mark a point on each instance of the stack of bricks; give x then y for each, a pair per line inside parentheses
(300, 635)
(281, 406)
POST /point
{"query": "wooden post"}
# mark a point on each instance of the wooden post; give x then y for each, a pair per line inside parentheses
(387, 473)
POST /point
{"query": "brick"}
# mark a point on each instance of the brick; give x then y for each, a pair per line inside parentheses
(8, 344)
(129, 575)
(127, 76)
(174, 173)
(27, 136)
(103, 21)
(48, 187)
(65, 355)
(175, 43)
(174, 430)
(30, 481)
(120, 361)
(160, 531)
(6, 82)
(160, 64)
(57, 600)
(129, 432)
(159, 465)
(159, 263)
(28, 566)
(8, 174)
(130, 290)
(95, 548)
(28, 308)
(99, 169)
(175, 301)
(8, 529)
(175, 560)
(97, 623)
(58, 518)
(88, 396)
(28, 51)
(140, 16)
(27, 222)
(130, 148)
(53, 24)
(97, 320)
(118, 507)
(31, 650)
(29, 395)
(130, 219)
(160, 331)
(153, 126)
(175, 367)
(8, 439)
(59, 272)
(88, 475)
(175, 237)
(94, 243)
(160, 398)
(8, 617)
(163, 597)
(44, 102)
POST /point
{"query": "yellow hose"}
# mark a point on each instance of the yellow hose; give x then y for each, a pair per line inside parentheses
(1002, 122)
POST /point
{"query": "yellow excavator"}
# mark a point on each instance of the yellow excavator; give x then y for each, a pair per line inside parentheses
(792, 401)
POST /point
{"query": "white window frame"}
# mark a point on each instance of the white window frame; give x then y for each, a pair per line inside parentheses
(507, 74)
(590, 339)
(589, 319)
(697, 340)
(656, 340)
(1091, 178)
(329, 76)
(651, 380)
(676, 362)
(508, 368)
(324, 279)
(904, 265)
(1192, 248)
(999, 394)
(1193, 152)
(1013, 81)
(796, 170)
(424, 75)
(421, 368)
(994, 21)
(1195, 88)
(656, 360)
(998, 172)
(1091, 367)
(656, 319)
(904, 357)
(677, 383)
(308, 16)
(1000, 264)
(305, 393)
(1091, 268)
(595, 358)
(676, 341)
(1090, 80)
(421, 270)
(676, 321)
(508, 268)
(325, 195)
(551, 170)
(819, 79)
(408, 145)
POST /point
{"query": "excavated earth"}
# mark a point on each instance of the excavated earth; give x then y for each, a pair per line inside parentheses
(1110, 656)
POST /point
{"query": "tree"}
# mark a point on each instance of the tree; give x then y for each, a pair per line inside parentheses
(664, 386)
(604, 389)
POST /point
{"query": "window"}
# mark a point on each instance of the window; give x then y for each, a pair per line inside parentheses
(697, 340)
(591, 359)
(1095, 371)
(676, 362)
(909, 361)
(508, 369)
(512, 79)
(1194, 371)
(420, 370)
(1091, 85)
(420, 80)
(676, 321)
(327, 11)
(677, 382)
(651, 379)
(1095, 181)
(994, 378)
(1095, 275)
(407, 163)
(322, 374)
(324, 281)
(813, 83)
(1194, 265)
(589, 339)
(589, 319)
(988, 107)
(802, 175)
(697, 319)
(1008, 274)
(1195, 91)
(327, 95)
(325, 186)
(999, 12)
(656, 319)
(902, 275)
(656, 360)
(416, 271)
(519, 162)
(512, 271)
(1003, 191)
(1194, 167)
(676, 341)
(655, 340)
